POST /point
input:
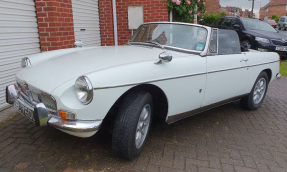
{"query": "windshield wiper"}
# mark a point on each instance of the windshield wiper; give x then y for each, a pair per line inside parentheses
(155, 42)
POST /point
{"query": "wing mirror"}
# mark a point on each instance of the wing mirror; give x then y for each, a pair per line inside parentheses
(236, 26)
(164, 57)
(79, 44)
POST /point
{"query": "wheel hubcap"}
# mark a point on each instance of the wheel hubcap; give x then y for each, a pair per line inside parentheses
(143, 125)
(259, 91)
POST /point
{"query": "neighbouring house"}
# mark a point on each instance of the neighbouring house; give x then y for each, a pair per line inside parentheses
(274, 7)
(212, 6)
(32, 26)
(231, 11)
(236, 11)
(247, 13)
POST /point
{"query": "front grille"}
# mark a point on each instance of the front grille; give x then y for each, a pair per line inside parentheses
(34, 96)
(279, 42)
(48, 101)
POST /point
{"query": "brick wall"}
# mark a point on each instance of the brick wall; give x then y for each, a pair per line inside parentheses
(106, 22)
(212, 6)
(277, 10)
(55, 22)
(154, 11)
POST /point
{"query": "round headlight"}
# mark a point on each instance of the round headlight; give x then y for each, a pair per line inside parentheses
(84, 89)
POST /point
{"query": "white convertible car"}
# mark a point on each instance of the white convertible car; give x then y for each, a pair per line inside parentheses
(166, 72)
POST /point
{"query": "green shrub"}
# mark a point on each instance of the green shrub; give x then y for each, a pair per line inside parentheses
(208, 19)
(275, 17)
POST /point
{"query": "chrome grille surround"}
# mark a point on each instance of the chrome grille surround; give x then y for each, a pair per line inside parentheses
(33, 96)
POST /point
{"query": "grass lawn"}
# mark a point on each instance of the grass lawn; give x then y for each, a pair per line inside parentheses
(283, 68)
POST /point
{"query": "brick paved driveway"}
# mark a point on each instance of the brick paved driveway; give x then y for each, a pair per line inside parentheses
(227, 138)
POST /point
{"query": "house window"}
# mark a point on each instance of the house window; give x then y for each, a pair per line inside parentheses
(267, 9)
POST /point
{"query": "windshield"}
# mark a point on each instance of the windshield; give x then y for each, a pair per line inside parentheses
(174, 35)
(253, 24)
(271, 21)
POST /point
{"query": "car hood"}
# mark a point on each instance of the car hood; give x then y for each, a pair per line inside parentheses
(51, 73)
(266, 34)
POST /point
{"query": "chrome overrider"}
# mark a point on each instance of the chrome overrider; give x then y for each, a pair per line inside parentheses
(43, 117)
(278, 76)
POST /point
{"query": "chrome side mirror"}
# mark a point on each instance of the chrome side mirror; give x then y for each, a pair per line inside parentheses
(164, 57)
(25, 62)
(79, 44)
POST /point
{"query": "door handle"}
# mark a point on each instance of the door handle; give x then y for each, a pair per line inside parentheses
(244, 60)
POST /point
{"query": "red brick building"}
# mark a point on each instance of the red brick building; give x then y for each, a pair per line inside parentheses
(274, 7)
(154, 10)
(212, 6)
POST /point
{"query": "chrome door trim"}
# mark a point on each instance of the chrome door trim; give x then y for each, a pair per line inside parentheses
(178, 77)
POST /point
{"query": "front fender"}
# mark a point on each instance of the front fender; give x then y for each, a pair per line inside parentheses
(103, 99)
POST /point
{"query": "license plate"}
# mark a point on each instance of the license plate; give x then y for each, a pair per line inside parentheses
(24, 110)
(281, 48)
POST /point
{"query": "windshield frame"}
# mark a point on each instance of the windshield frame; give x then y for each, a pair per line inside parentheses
(178, 49)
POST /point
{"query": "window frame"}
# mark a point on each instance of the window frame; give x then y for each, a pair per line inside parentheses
(212, 32)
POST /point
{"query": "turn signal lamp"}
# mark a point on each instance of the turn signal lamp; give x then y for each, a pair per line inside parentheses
(66, 115)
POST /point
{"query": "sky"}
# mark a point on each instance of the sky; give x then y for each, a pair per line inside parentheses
(244, 4)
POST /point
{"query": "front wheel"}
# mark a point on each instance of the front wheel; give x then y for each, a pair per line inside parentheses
(255, 98)
(132, 124)
(245, 45)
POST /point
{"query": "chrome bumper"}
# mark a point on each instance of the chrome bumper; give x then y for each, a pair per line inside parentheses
(42, 117)
(278, 76)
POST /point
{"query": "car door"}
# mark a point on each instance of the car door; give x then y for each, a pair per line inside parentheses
(227, 70)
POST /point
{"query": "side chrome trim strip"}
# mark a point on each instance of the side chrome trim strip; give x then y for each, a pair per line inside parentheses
(227, 69)
(146, 82)
(264, 63)
(177, 77)
(174, 118)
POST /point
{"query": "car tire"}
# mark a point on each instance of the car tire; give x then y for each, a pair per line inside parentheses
(132, 124)
(255, 98)
(245, 42)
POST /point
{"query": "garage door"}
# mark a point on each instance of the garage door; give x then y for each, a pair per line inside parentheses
(87, 22)
(19, 38)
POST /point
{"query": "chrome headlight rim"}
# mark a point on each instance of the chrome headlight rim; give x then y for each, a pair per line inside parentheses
(89, 89)
(264, 40)
(25, 62)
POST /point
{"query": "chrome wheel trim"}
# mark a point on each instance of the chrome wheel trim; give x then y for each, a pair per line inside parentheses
(142, 126)
(246, 43)
(259, 91)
